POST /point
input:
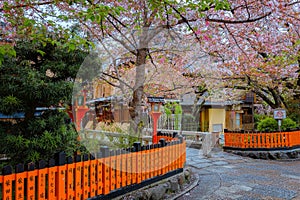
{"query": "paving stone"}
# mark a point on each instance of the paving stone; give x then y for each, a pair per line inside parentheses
(202, 165)
(276, 192)
(224, 176)
(240, 188)
(220, 163)
(200, 160)
(225, 194)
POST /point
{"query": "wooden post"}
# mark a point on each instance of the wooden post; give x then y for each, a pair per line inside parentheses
(112, 169)
(124, 167)
(70, 178)
(86, 165)
(41, 195)
(78, 179)
(51, 179)
(20, 177)
(7, 183)
(93, 175)
(106, 170)
(61, 176)
(138, 155)
(31, 174)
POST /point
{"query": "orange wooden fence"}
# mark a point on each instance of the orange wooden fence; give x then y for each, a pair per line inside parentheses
(82, 177)
(167, 136)
(262, 140)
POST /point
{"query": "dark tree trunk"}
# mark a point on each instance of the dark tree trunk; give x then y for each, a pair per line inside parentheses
(138, 93)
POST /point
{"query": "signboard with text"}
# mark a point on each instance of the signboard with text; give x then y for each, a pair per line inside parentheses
(279, 114)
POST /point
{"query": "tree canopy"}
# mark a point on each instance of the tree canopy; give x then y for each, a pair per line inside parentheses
(36, 87)
(253, 44)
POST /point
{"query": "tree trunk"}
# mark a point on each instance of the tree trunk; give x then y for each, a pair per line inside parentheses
(138, 93)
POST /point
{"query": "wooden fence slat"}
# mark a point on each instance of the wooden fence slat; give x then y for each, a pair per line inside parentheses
(124, 167)
(147, 162)
(61, 177)
(31, 174)
(143, 163)
(8, 178)
(20, 182)
(155, 160)
(51, 180)
(129, 166)
(70, 179)
(42, 172)
(99, 175)
(93, 175)
(106, 170)
(118, 169)
(138, 155)
(112, 170)
(85, 175)
(78, 177)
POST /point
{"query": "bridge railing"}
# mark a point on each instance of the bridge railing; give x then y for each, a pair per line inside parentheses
(257, 140)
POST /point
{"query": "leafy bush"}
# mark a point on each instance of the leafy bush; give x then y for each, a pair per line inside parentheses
(267, 124)
(41, 139)
(270, 124)
(288, 123)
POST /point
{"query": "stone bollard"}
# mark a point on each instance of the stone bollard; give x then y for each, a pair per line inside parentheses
(207, 144)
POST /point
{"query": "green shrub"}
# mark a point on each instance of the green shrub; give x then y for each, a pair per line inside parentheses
(270, 124)
(267, 124)
(288, 123)
(178, 112)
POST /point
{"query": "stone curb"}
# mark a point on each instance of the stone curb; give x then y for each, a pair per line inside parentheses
(281, 155)
(154, 191)
(189, 188)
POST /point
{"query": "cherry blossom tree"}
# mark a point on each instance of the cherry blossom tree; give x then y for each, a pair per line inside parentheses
(260, 55)
(238, 34)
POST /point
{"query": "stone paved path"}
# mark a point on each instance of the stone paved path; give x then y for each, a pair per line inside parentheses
(225, 176)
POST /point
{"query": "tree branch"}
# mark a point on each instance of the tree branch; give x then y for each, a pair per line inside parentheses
(238, 21)
(28, 5)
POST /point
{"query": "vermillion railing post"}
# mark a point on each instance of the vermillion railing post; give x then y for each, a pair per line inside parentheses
(182, 151)
(51, 179)
(138, 155)
(106, 169)
(133, 165)
(159, 159)
(61, 176)
(78, 179)
(99, 173)
(93, 175)
(147, 162)
(163, 155)
(118, 169)
(124, 167)
(298, 137)
(129, 166)
(42, 180)
(155, 160)
(20, 181)
(176, 154)
(258, 145)
(86, 166)
(151, 158)
(70, 178)
(31, 182)
(143, 162)
(112, 169)
(7, 183)
(172, 160)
